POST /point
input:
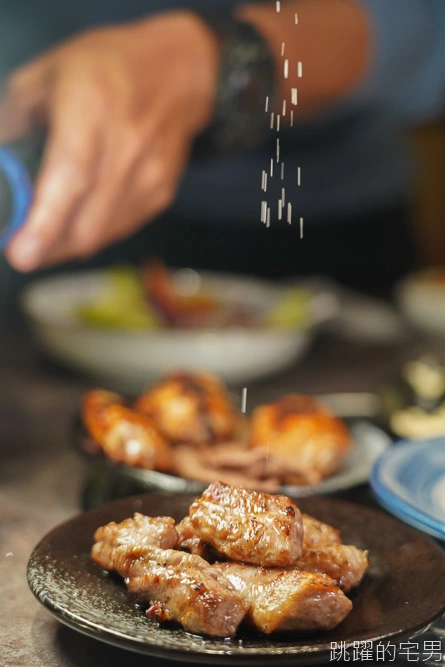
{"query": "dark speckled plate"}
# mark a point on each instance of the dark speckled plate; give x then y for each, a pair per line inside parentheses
(403, 591)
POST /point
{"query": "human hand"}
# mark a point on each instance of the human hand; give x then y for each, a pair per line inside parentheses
(123, 105)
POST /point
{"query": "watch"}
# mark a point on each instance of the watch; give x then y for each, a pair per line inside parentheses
(247, 78)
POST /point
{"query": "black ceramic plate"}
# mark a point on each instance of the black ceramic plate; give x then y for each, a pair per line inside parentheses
(403, 591)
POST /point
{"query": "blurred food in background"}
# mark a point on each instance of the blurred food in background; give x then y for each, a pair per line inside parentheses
(421, 298)
(187, 425)
(413, 404)
(154, 297)
(107, 324)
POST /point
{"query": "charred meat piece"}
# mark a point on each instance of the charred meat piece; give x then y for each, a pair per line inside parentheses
(193, 597)
(285, 600)
(343, 563)
(125, 435)
(132, 536)
(304, 432)
(190, 408)
(248, 526)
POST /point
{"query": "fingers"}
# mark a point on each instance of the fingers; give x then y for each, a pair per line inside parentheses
(25, 97)
(68, 173)
(128, 195)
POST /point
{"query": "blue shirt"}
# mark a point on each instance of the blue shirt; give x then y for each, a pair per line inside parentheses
(352, 157)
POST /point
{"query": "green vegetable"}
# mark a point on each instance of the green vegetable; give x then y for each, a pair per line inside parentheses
(122, 306)
(292, 310)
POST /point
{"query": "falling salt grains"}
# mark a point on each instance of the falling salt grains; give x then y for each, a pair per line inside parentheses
(278, 122)
(286, 69)
(272, 117)
(268, 217)
(300, 69)
(278, 150)
(289, 213)
(280, 209)
(264, 181)
(278, 6)
(282, 171)
(292, 118)
(271, 167)
(244, 400)
(294, 97)
(301, 228)
(282, 48)
(284, 108)
(9, 554)
(283, 196)
(263, 211)
(267, 104)
(296, 19)
(298, 176)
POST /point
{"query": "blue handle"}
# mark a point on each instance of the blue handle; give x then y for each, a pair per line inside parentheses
(21, 193)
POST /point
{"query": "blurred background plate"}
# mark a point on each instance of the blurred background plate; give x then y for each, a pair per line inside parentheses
(421, 299)
(107, 480)
(409, 480)
(128, 360)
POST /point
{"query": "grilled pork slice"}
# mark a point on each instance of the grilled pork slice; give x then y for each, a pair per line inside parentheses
(133, 535)
(189, 541)
(316, 533)
(285, 600)
(202, 603)
(248, 526)
(343, 563)
(179, 586)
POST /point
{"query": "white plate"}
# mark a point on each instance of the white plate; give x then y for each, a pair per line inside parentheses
(409, 480)
(128, 361)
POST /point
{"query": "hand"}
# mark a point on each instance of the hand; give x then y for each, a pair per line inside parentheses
(123, 105)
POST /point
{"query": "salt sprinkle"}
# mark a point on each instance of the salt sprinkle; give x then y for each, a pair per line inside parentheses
(286, 68)
(300, 69)
(284, 108)
(289, 213)
(278, 6)
(267, 104)
(301, 228)
(244, 400)
(298, 176)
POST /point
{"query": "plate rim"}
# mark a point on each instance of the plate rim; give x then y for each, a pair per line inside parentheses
(403, 509)
(303, 655)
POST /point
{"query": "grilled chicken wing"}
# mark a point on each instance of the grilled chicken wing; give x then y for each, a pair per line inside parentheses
(282, 599)
(125, 435)
(191, 408)
(301, 430)
(248, 526)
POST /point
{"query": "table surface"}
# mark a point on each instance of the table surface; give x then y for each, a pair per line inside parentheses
(41, 477)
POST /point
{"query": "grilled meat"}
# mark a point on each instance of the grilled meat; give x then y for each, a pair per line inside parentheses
(284, 600)
(191, 408)
(302, 431)
(133, 536)
(248, 526)
(125, 435)
(343, 563)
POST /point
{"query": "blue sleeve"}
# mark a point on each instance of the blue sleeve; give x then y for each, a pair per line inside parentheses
(407, 73)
